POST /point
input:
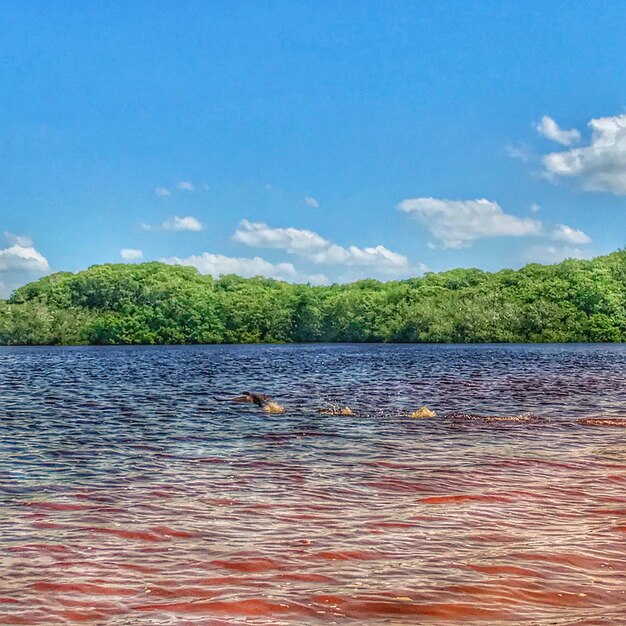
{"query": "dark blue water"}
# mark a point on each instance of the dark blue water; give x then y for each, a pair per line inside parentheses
(130, 496)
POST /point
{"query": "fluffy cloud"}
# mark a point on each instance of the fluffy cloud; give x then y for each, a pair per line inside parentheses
(19, 258)
(570, 235)
(130, 254)
(600, 166)
(185, 185)
(175, 224)
(378, 258)
(554, 254)
(458, 223)
(217, 264)
(162, 192)
(312, 202)
(551, 130)
(313, 247)
(293, 240)
(20, 263)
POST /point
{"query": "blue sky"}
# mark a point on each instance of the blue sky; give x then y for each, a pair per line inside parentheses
(313, 141)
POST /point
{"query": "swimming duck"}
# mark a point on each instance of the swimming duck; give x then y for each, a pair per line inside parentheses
(260, 399)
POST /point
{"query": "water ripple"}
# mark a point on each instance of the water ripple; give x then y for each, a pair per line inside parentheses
(129, 496)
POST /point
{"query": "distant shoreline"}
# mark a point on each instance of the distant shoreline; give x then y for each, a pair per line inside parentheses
(576, 301)
(314, 344)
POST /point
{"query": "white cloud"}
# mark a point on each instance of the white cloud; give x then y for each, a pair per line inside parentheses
(217, 264)
(458, 223)
(554, 254)
(431, 246)
(535, 208)
(378, 257)
(130, 254)
(162, 192)
(315, 248)
(600, 166)
(312, 202)
(185, 185)
(175, 224)
(294, 240)
(20, 258)
(20, 263)
(551, 130)
(570, 235)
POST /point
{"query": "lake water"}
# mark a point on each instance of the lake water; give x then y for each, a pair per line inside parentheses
(129, 496)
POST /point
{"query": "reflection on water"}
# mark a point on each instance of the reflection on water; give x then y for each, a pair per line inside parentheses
(129, 496)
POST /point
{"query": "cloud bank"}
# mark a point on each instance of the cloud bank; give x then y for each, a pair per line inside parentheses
(313, 247)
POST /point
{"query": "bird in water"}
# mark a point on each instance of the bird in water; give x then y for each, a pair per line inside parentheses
(258, 399)
(253, 398)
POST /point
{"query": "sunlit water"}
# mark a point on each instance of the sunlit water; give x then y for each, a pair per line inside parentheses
(129, 496)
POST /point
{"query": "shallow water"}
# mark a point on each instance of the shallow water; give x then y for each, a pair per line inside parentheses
(128, 496)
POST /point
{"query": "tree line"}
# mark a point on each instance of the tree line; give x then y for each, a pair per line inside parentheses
(155, 303)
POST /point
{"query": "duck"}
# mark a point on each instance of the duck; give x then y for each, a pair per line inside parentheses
(258, 399)
(248, 397)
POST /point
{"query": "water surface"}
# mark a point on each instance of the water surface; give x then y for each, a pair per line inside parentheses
(129, 496)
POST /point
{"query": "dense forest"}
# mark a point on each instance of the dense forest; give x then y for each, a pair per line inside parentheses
(154, 303)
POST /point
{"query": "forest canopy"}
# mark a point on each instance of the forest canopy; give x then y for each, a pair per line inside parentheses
(155, 303)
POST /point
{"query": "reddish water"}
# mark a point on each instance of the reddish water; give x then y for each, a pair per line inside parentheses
(129, 497)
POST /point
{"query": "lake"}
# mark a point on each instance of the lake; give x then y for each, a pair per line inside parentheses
(130, 496)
